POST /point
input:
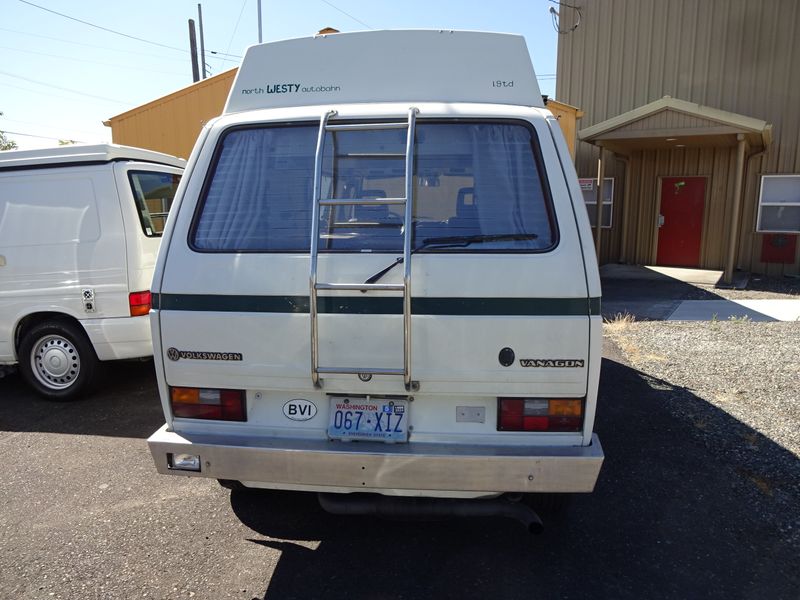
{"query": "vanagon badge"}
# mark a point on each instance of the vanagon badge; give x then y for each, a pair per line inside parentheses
(299, 409)
(552, 363)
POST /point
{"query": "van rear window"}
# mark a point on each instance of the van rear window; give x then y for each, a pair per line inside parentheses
(470, 179)
(153, 193)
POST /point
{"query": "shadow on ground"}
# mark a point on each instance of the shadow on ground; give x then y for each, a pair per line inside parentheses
(125, 403)
(691, 503)
(653, 299)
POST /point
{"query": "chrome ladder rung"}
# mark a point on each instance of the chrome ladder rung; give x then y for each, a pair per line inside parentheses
(361, 287)
(405, 287)
(359, 371)
(361, 201)
(365, 126)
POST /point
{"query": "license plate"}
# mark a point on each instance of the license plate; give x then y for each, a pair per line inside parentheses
(375, 419)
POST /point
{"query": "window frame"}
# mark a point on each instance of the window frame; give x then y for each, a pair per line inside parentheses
(536, 150)
(139, 171)
(762, 204)
(610, 203)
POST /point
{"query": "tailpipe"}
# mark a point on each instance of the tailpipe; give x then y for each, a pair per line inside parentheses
(400, 507)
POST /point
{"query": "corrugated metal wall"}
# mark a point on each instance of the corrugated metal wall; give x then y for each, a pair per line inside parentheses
(741, 56)
(171, 124)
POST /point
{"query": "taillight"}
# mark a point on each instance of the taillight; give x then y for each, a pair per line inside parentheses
(204, 403)
(139, 303)
(539, 414)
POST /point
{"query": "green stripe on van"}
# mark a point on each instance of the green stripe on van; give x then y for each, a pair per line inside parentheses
(370, 305)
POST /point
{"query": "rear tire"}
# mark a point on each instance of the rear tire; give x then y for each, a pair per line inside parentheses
(57, 360)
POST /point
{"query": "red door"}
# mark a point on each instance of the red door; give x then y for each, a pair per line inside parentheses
(681, 221)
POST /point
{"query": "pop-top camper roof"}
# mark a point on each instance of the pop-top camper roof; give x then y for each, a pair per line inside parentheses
(386, 66)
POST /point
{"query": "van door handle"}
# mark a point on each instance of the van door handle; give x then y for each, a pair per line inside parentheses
(660, 221)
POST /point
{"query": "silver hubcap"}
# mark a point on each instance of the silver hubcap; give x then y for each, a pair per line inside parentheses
(55, 362)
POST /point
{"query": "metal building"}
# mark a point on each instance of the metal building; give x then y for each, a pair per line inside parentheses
(694, 106)
(171, 124)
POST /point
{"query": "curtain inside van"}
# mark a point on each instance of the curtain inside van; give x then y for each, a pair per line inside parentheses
(470, 179)
(260, 195)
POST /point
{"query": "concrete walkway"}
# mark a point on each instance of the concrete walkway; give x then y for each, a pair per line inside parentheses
(723, 310)
(672, 294)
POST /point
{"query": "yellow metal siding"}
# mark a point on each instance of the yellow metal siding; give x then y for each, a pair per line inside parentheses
(568, 121)
(736, 55)
(171, 124)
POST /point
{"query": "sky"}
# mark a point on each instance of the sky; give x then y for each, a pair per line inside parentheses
(61, 78)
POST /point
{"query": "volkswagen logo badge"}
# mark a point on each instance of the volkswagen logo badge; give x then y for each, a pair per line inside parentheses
(173, 354)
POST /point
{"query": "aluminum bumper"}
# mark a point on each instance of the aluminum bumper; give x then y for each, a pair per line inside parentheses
(325, 465)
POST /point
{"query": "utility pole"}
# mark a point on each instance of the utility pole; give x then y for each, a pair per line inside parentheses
(202, 40)
(260, 39)
(193, 51)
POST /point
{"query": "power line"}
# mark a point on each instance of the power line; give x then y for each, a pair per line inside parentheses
(44, 137)
(93, 62)
(46, 125)
(235, 28)
(133, 37)
(50, 85)
(55, 39)
(333, 6)
(49, 94)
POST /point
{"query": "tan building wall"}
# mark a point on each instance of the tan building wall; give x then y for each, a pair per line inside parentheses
(172, 123)
(736, 55)
(568, 117)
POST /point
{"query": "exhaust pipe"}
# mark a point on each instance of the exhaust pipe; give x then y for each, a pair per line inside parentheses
(417, 508)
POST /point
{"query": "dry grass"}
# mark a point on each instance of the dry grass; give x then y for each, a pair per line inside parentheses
(615, 328)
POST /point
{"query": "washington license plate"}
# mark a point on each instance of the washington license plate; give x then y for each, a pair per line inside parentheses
(374, 419)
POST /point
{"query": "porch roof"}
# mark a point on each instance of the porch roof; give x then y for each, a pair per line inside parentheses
(671, 123)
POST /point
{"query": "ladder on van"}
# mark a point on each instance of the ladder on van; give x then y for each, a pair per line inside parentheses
(405, 287)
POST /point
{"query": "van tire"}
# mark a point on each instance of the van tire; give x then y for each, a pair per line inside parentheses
(72, 360)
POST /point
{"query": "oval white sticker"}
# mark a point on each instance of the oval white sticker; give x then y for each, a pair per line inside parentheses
(299, 409)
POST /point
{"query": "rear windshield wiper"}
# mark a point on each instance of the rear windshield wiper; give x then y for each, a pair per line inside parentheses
(455, 241)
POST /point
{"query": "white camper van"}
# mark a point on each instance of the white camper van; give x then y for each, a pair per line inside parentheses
(80, 227)
(379, 277)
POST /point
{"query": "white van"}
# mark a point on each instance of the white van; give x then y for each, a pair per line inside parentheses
(379, 277)
(80, 227)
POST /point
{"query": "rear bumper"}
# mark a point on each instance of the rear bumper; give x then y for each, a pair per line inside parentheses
(121, 337)
(395, 468)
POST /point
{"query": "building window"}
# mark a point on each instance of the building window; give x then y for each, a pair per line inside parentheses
(589, 189)
(779, 204)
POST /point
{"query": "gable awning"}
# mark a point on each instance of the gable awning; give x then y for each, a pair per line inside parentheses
(672, 123)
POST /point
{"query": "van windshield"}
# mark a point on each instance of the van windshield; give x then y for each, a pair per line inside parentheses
(153, 193)
(470, 179)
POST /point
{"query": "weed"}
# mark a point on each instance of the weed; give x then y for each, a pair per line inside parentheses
(742, 319)
(625, 318)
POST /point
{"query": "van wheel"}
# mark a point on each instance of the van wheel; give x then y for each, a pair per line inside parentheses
(57, 360)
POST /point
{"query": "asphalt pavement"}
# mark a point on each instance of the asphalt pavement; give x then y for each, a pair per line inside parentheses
(84, 515)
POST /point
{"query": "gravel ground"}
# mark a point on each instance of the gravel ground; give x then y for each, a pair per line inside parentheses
(750, 371)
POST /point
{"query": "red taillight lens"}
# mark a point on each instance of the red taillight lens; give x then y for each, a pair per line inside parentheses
(539, 414)
(204, 403)
(139, 303)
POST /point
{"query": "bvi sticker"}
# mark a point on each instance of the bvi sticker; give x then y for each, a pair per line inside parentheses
(299, 409)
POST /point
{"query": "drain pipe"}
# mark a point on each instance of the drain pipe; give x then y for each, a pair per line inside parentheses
(407, 507)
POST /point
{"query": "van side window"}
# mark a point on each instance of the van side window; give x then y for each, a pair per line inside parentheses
(470, 179)
(153, 193)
